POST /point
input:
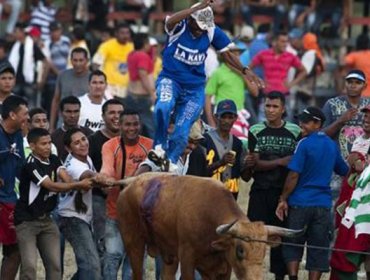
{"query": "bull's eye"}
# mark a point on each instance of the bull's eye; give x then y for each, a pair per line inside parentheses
(239, 252)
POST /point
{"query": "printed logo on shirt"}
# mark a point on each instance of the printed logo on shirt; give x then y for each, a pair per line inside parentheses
(189, 56)
(122, 68)
(93, 125)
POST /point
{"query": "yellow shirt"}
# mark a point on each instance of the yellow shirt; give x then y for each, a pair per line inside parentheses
(112, 57)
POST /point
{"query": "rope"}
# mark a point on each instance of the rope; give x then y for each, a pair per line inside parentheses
(304, 246)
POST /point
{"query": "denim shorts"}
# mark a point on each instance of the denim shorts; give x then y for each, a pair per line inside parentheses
(318, 233)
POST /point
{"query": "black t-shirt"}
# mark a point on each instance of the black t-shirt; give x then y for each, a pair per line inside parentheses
(37, 56)
(34, 200)
(272, 143)
(57, 137)
(96, 141)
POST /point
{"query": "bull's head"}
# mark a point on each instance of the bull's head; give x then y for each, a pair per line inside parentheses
(245, 246)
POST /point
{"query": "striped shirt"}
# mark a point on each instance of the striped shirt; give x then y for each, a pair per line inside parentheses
(41, 17)
(276, 67)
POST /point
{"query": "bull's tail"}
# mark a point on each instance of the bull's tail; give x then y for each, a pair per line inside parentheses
(125, 182)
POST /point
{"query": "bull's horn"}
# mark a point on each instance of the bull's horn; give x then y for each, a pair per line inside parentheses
(285, 232)
(223, 229)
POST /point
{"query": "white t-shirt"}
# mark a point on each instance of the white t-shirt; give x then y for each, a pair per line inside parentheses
(90, 114)
(66, 208)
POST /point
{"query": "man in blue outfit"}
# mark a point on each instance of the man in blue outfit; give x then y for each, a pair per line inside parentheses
(308, 194)
(180, 85)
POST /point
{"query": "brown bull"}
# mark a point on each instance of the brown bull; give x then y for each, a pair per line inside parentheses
(192, 221)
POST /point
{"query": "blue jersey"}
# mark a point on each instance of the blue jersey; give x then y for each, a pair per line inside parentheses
(11, 161)
(315, 159)
(184, 54)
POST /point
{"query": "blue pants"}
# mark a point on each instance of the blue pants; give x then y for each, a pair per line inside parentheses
(115, 253)
(185, 105)
(79, 234)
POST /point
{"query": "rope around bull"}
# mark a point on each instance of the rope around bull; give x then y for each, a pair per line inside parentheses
(304, 246)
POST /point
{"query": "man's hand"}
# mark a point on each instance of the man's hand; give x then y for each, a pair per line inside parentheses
(348, 115)
(253, 78)
(103, 180)
(250, 160)
(282, 210)
(284, 161)
(228, 158)
(204, 4)
(86, 184)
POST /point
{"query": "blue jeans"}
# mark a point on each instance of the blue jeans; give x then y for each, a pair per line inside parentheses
(99, 219)
(185, 105)
(115, 253)
(79, 234)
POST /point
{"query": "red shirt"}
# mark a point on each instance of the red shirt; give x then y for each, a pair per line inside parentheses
(276, 67)
(137, 60)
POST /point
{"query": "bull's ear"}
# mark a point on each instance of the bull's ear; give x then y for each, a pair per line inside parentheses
(274, 240)
(221, 244)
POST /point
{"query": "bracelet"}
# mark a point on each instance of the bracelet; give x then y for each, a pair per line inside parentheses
(244, 70)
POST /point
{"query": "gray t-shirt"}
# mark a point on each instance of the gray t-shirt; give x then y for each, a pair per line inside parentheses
(70, 84)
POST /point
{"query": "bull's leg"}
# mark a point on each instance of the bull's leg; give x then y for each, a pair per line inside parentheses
(169, 271)
(187, 265)
(135, 251)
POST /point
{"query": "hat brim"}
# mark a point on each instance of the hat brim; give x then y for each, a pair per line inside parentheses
(355, 76)
(226, 111)
(204, 25)
(306, 118)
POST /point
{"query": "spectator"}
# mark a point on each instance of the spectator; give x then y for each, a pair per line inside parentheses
(37, 119)
(225, 153)
(36, 231)
(56, 50)
(141, 88)
(360, 58)
(337, 11)
(73, 81)
(121, 157)
(3, 51)
(111, 111)
(78, 41)
(7, 81)
(145, 7)
(42, 15)
(271, 8)
(301, 14)
(15, 7)
(342, 263)
(344, 119)
(245, 39)
(92, 102)
(75, 207)
(14, 116)
(226, 83)
(276, 63)
(270, 146)
(306, 197)
(259, 44)
(70, 108)
(111, 58)
(223, 8)
(24, 56)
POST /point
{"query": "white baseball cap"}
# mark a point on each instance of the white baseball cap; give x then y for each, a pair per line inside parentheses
(247, 32)
(203, 17)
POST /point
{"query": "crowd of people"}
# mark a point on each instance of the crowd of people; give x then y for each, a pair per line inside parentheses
(75, 119)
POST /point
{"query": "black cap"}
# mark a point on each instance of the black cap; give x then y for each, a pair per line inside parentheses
(6, 67)
(312, 114)
(55, 25)
(226, 106)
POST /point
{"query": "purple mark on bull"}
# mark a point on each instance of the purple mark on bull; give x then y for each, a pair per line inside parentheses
(150, 197)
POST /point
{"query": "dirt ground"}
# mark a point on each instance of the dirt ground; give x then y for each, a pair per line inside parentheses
(70, 265)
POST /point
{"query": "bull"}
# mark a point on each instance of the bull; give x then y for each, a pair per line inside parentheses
(192, 221)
